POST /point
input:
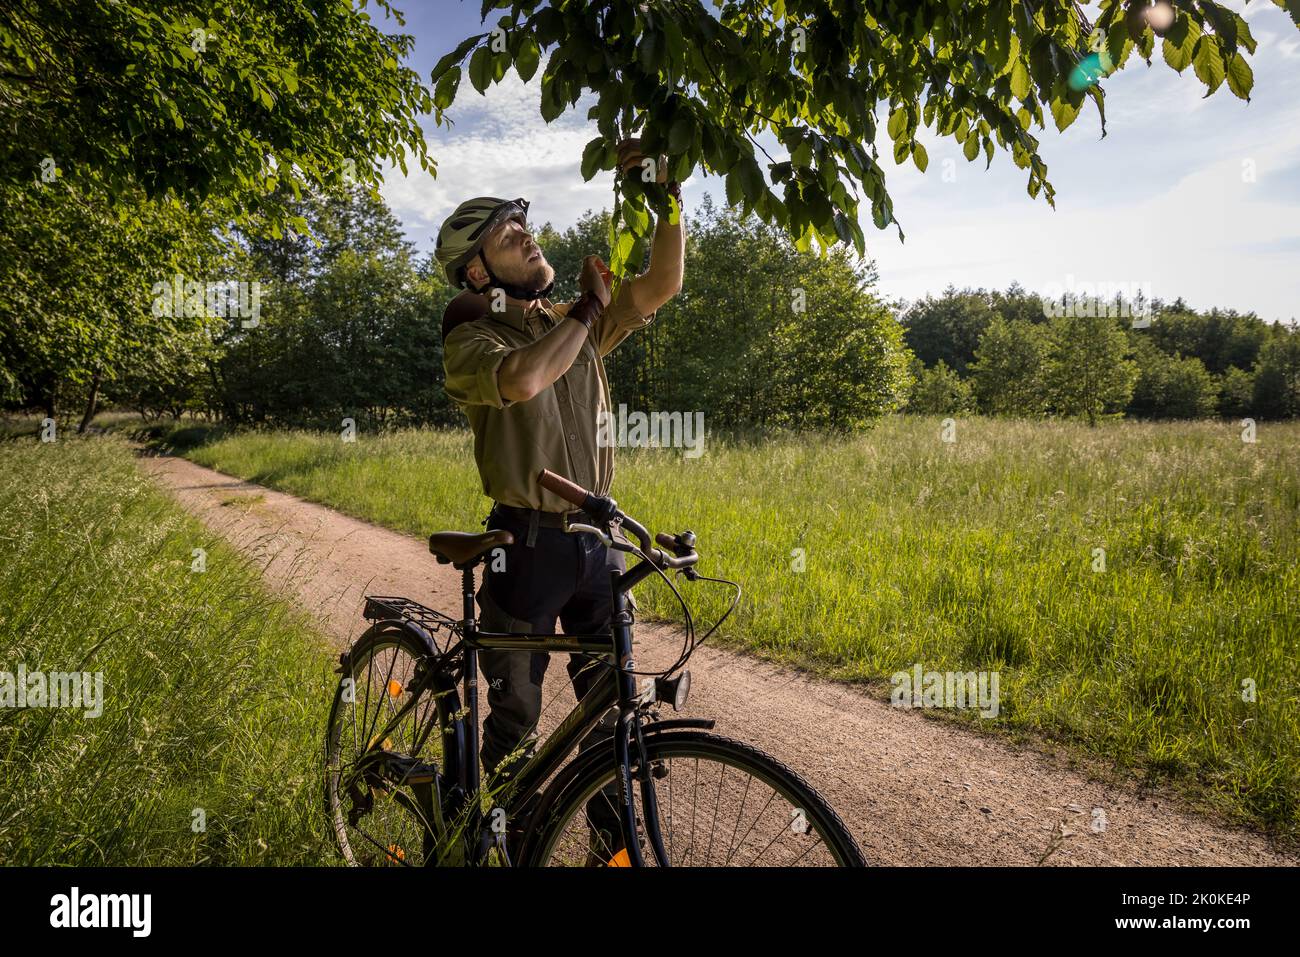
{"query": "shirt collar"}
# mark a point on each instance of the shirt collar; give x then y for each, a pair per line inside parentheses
(518, 317)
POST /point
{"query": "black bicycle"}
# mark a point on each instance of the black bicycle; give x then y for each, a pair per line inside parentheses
(402, 776)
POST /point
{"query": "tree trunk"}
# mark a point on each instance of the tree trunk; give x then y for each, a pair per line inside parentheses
(92, 404)
(48, 388)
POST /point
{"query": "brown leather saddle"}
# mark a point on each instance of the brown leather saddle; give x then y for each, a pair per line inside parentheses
(464, 549)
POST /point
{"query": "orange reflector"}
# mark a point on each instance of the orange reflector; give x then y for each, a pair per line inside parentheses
(620, 859)
(394, 688)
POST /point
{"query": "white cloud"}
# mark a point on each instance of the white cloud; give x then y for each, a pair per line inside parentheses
(500, 146)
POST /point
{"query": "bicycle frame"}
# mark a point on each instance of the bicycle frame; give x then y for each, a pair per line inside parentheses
(616, 687)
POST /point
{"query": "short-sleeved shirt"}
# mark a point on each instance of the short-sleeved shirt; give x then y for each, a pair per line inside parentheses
(555, 429)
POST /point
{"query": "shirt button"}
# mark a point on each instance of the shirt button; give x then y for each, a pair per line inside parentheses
(573, 437)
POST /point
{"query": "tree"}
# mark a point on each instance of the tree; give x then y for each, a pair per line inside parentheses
(1277, 377)
(1220, 339)
(1086, 369)
(353, 334)
(200, 102)
(948, 328)
(762, 335)
(80, 269)
(1170, 387)
(1007, 371)
(940, 391)
(1236, 393)
(696, 88)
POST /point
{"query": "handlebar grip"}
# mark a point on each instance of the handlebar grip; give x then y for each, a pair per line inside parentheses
(668, 541)
(569, 491)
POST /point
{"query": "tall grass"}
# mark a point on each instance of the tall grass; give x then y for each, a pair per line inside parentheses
(208, 750)
(977, 554)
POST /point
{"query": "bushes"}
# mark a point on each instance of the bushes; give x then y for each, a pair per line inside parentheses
(1181, 365)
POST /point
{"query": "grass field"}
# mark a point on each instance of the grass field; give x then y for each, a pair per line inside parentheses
(977, 554)
(214, 694)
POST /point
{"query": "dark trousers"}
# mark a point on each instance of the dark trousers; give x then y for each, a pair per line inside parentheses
(561, 576)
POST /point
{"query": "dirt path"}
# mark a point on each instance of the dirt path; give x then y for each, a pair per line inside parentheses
(912, 790)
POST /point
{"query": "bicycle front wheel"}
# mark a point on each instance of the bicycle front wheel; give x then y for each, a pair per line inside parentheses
(720, 803)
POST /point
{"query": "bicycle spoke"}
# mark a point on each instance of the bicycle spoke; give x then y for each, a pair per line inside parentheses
(375, 804)
(744, 797)
(764, 833)
(716, 804)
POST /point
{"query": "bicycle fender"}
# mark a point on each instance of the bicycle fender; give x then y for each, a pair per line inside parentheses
(422, 637)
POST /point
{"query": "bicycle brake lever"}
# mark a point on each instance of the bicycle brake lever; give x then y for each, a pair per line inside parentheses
(599, 533)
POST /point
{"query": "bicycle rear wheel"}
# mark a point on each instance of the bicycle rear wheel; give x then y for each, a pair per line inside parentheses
(721, 803)
(382, 801)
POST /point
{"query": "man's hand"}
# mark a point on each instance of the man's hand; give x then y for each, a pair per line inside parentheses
(595, 279)
(630, 157)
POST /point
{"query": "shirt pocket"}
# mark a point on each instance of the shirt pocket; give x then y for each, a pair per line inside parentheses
(584, 381)
(542, 407)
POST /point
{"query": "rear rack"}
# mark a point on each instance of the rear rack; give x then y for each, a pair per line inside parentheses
(392, 608)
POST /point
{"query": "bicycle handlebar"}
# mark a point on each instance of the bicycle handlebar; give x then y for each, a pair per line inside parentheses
(681, 551)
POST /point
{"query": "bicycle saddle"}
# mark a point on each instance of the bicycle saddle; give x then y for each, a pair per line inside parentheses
(463, 548)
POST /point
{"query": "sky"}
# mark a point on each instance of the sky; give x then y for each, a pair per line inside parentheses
(1185, 196)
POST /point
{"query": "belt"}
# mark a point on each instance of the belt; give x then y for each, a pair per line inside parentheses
(535, 517)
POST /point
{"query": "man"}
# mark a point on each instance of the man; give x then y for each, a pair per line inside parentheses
(529, 375)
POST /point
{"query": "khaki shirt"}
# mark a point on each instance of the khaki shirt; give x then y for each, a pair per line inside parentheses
(555, 429)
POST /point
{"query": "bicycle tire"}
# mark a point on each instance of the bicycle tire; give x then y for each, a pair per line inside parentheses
(818, 814)
(376, 639)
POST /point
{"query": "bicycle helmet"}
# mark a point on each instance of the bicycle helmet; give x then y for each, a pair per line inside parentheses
(462, 235)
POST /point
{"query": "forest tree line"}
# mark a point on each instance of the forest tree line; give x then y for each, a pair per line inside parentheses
(1011, 353)
(164, 311)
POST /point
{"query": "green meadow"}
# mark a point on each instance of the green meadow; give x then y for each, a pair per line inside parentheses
(1134, 585)
(208, 746)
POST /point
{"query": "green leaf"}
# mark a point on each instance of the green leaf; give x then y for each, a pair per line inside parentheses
(897, 122)
(480, 69)
(681, 133)
(528, 58)
(734, 190)
(636, 217)
(1209, 63)
(649, 51)
(751, 179)
(1240, 76)
(1180, 42)
(971, 148)
(444, 94)
(1063, 111)
(920, 157)
(453, 57)
(1019, 80)
(551, 106)
(625, 243)
(592, 154)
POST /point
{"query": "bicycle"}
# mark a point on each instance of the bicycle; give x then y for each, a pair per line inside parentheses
(401, 795)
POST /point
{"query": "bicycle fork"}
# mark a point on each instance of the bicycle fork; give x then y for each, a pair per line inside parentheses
(629, 745)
